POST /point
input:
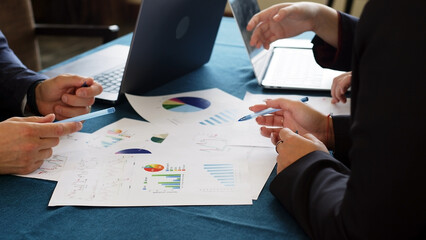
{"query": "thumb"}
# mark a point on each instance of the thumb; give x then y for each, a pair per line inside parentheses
(319, 145)
(311, 137)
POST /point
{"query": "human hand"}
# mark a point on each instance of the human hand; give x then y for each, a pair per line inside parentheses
(293, 146)
(281, 21)
(290, 19)
(296, 116)
(26, 142)
(340, 86)
(65, 95)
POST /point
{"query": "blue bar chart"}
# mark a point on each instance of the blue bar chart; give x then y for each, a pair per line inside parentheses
(224, 173)
(169, 181)
(221, 118)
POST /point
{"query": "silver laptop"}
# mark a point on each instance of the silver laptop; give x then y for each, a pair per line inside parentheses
(288, 64)
(171, 38)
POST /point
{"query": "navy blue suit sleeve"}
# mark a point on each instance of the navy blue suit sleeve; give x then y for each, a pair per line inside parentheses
(15, 80)
(339, 59)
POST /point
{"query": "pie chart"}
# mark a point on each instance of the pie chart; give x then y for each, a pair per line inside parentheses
(133, 151)
(153, 168)
(159, 138)
(186, 104)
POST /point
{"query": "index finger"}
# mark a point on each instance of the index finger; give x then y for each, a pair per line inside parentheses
(71, 80)
(283, 103)
(47, 130)
(93, 89)
(253, 22)
(258, 107)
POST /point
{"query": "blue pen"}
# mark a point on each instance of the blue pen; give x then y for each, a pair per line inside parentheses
(89, 115)
(266, 111)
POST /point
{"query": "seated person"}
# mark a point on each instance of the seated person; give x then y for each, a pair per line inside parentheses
(372, 187)
(26, 141)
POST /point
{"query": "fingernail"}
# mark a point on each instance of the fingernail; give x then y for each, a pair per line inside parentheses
(81, 93)
(79, 126)
(64, 98)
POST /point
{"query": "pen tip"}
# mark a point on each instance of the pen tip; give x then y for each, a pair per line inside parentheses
(111, 110)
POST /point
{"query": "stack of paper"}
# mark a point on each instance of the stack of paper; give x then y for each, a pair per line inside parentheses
(193, 151)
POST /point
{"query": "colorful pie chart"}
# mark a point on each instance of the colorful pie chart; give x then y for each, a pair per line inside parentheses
(153, 168)
(186, 104)
(133, 151)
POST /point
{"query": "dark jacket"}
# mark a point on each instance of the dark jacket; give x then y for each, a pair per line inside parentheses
(15, 81)
(374, 186)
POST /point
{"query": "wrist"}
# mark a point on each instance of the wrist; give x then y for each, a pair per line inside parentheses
(329, 141)
(32, 93)
(325, 24)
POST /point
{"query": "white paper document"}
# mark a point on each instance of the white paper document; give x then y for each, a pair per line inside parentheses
(146, 180)
(194, 151)
(321, 104)
(135, 163)
(52, 167)
(226, 143)
(211, 107)
(162, 179)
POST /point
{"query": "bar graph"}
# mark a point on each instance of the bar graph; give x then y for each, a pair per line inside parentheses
(172, 181)
(221, 118)
(163, 183)
(224, 173)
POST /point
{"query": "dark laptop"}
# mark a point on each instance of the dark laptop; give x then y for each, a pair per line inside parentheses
(171, 38)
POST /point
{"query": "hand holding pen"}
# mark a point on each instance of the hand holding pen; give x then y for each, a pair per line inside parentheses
(266, 111)
(295, 117)
(65, 95)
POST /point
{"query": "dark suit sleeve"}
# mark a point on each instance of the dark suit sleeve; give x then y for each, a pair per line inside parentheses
(339, 59)
(15, 80)
(383, 195)
(341, 126)
(312, 189)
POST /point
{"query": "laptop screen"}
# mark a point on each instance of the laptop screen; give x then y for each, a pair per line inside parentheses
(171, 38)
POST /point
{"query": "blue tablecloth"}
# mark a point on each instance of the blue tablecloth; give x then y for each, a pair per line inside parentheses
(23, 202)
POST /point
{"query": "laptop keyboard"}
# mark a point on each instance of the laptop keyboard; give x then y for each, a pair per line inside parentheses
(110, 80)
(294, 68)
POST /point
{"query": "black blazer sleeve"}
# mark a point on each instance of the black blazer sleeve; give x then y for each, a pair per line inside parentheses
(383, 195)
(15, 80)
(339, 59)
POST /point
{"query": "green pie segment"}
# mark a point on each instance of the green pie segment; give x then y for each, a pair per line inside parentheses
(159, 138)
(186, 104)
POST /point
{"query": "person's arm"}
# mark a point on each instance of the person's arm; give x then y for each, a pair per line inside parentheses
(342, 141)
(15, 81)
(26, 141)
(383, 195)
(340, 58)
(65, 95)
(290, 19)
(301, 189)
